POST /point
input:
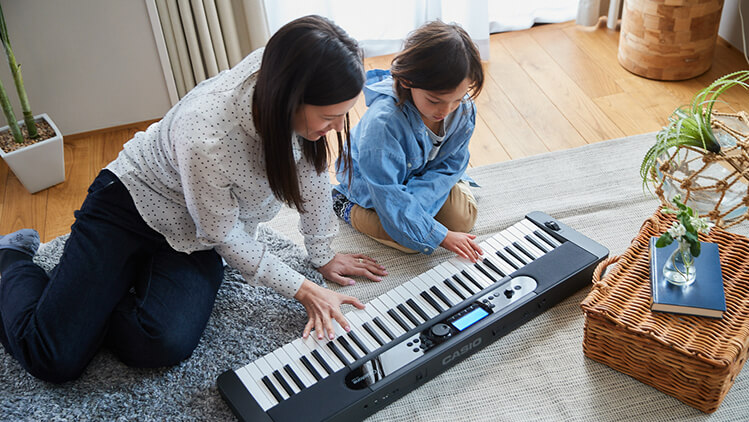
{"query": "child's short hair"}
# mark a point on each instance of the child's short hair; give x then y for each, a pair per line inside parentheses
(437, 57)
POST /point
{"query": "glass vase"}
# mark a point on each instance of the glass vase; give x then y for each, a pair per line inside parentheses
(679, 268)
(701, 180)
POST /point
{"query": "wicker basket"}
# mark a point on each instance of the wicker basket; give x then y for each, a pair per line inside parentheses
(691, 358)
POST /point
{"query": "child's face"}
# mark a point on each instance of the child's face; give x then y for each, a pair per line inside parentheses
(312, 121)
(434, 106)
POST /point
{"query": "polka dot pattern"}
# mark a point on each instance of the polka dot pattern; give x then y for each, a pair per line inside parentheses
(198, 177)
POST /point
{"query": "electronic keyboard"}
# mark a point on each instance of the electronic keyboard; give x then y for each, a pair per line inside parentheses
(416, 331)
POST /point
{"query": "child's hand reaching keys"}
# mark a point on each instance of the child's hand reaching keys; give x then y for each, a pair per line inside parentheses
(463, 244)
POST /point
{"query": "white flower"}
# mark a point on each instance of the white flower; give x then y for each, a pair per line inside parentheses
(700, 224)
(677, 230)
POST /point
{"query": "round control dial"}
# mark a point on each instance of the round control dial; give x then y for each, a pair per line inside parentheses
(440, 330)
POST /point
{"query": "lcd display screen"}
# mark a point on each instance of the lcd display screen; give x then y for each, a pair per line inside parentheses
(469, 319)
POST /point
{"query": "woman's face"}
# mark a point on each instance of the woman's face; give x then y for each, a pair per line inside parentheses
(434, 106)
(312, 122)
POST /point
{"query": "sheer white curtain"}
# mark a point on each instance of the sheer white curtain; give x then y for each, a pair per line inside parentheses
(381, 26)
(590, 11)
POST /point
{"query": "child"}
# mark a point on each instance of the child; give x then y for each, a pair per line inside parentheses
(410, 149)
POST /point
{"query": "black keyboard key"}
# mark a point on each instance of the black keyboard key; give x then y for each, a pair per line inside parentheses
(311, 368)
(463, 284)
(338, 353)
(535, 243)
(281, 380)
(349, 348)
(543, 237)
(415, 306)
(454, 288)
(398, 319)
(318, 357)
(493, 267)
(484, 272)
(517, 256)
(294, 377)
(269, 385)
(373, 333)
(408, 315)
(522, 249)
(437, 292)
(378, 322)
(432, 302)
(358, 342)
(507, 260)
(471, 279)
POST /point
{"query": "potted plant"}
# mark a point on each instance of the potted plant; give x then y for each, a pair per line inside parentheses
(33, 147)
(699, 156)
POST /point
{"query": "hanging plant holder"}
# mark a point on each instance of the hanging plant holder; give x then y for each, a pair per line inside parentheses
(715, 185)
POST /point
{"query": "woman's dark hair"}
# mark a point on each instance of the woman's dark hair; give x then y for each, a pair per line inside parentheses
(437, 57)
(312, 61)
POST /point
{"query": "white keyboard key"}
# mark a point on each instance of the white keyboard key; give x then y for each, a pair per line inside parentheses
(319, 345)
(531, 248)
(261, 396)
(369, 342)
(267, 371)
(375, 313)
(277, 367)
(415, 294)
(383, 310)
(296, 364)
(306, 352)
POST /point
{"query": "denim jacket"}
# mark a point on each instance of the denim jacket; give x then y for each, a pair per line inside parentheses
(391, 173)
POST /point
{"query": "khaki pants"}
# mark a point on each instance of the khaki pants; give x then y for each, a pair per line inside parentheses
(458, 214)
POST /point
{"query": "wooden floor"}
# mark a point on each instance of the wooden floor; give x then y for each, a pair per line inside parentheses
(548, 88)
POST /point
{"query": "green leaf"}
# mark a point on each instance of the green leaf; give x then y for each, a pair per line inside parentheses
(694, 248)
(686, 222)
(664, 240)
(692, 238)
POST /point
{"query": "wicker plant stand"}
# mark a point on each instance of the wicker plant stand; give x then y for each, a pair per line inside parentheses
(699, 183)
(691, 358)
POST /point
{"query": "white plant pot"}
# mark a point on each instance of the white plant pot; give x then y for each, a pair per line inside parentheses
(40, 165)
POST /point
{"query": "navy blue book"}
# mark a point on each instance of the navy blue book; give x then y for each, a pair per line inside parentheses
(704, 297)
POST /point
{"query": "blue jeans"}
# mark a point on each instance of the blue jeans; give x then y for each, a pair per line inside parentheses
(118, 284)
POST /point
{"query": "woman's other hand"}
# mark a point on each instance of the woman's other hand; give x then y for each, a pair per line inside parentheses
(323, 306)
(463, 244)
(343, 265)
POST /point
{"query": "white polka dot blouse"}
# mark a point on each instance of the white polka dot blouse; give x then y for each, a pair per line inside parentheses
(198, 178)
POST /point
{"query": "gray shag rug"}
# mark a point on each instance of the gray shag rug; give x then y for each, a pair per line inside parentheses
(111, 391)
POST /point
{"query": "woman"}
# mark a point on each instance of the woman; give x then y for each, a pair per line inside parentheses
(142, 266)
